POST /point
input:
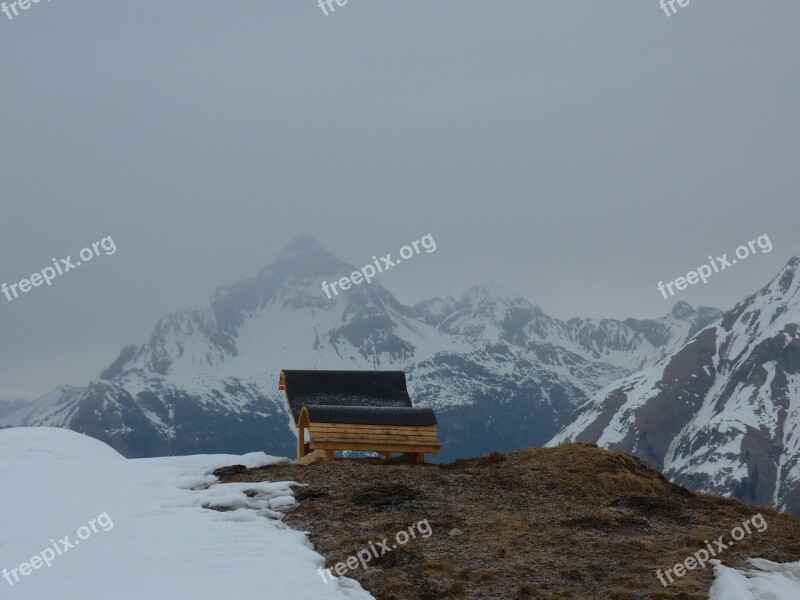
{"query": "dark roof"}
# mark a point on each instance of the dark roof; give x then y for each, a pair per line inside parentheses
(369, 415)
(380, 389)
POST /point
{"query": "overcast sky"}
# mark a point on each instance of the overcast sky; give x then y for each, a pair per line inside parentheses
(574, 152)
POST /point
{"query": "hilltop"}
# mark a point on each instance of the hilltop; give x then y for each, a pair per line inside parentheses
(572, 522)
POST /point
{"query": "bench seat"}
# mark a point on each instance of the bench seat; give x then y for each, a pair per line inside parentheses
(411, 431)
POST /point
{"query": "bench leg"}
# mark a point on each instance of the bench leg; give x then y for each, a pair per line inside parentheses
(329, 454)
(420, 458)
(301, 443)
(311, 457)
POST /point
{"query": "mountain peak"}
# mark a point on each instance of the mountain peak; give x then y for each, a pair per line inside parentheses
(490, 291)
(787, 278)
(682, 310)
(303, 257)
(300, 245)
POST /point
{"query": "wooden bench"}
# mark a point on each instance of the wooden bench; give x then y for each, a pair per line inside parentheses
(357, 410)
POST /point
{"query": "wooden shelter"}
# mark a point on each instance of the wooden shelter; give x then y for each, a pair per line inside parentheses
(357, 410)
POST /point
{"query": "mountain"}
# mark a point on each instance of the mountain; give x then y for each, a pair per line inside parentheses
(722, 413)
(9, 406)
(628, 344)
(499, 372)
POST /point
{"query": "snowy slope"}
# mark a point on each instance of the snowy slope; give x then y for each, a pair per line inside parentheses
(499, 372)
(9, 406)
(152, 536)
(722, 414)
(766, 581)
(490, 313)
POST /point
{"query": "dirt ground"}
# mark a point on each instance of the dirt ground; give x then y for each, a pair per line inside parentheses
(553, 523)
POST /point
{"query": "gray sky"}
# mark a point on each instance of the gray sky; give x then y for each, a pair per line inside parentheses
(575, 152)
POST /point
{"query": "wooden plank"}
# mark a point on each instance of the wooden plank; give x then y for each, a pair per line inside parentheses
(316, 442)
(303, 420)
(314, 431)
(359, 426)
(301, 443)
(375, 446)
(370, 435)
(414, 449)
(376, 440)
(335, 425)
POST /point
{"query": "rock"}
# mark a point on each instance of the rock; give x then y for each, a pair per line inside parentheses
(230, 472)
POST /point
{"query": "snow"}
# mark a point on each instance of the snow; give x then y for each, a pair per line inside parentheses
(625, 345)
(51, 405)
(765, 581)
(753, 395)
(789, 461)
(637, 387)
(162, 541)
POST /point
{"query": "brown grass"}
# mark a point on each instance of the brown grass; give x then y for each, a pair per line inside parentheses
(571, 522)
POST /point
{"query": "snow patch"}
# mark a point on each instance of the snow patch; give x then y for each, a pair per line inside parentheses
(765, 581)
(165, 541)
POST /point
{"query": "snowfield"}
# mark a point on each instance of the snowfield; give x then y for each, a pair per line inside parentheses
(138, 528)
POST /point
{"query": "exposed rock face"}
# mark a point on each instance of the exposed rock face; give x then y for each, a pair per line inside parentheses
(721, 414)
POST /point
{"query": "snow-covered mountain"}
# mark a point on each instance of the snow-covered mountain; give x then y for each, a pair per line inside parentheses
(721, 414)
(9, 406)
(500, 373)
(629, 344)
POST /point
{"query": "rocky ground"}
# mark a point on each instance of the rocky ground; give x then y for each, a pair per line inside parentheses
(569, 522)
